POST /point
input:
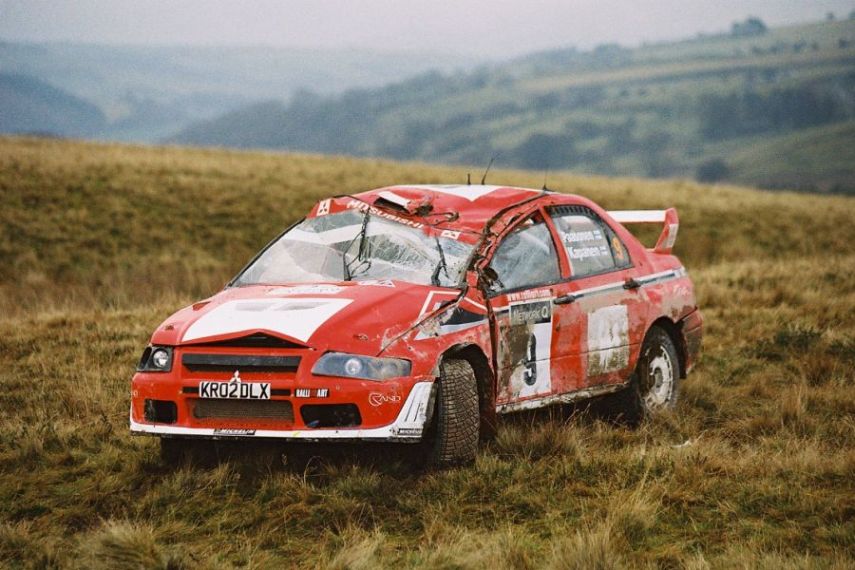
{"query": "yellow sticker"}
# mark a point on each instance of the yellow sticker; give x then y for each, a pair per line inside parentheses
(617, 247)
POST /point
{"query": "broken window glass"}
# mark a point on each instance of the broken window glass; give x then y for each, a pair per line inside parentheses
(525, 258)
(327, 248)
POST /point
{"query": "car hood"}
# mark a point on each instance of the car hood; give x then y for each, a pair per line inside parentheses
(361, 315)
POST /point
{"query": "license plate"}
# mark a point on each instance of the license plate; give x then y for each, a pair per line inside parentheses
(235, 390)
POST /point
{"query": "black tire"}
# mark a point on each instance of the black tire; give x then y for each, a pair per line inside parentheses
(653, 386)
(455, 430)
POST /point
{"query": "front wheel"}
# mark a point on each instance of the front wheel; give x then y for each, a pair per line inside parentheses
(455, 431)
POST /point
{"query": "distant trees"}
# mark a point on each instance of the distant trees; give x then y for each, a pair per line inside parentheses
(541, 151)
(752, 112)
(750, 27)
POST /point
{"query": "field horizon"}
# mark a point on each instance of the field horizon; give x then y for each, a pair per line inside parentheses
(101, 242)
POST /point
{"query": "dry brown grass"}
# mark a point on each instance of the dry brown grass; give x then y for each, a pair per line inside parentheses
(99, 243)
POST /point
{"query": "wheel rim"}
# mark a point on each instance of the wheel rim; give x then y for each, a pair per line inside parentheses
(660, 374)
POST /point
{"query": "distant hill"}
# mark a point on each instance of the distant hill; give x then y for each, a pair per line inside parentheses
(28, 105)
(695, 108)
(148, 93)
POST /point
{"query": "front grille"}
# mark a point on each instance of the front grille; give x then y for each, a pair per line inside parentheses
(244, 409)
(232, 362)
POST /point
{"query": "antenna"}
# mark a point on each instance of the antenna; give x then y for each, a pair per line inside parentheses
(468, 178)
(484, 178)
(545, 176)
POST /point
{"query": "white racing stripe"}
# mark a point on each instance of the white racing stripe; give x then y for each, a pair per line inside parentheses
(297, 318)
(470, 192)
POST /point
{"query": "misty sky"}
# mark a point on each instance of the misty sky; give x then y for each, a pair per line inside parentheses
(477, 27)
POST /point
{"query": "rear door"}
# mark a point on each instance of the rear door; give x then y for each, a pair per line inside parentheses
(601, 307)
(526, 267)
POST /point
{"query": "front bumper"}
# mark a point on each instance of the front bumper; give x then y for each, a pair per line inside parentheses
(408, 426)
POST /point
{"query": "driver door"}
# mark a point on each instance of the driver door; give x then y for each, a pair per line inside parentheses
(526, 268)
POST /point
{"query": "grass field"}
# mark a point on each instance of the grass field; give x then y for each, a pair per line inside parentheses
(99, 243)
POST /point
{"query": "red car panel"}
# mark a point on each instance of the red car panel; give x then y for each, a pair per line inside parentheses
(574, 335)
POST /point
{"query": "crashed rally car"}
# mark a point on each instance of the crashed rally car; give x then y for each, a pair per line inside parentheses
(419, 313)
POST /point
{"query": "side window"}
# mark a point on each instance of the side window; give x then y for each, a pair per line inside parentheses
(591, 246)
(525, 258)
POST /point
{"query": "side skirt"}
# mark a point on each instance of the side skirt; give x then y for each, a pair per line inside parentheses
(564, 398)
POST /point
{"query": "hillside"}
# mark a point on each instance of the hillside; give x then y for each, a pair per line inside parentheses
(687, 109)
(99, 243)
(152, 92)
(32, 106)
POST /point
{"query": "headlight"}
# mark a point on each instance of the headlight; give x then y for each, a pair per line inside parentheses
(156, 359)
(365, 367)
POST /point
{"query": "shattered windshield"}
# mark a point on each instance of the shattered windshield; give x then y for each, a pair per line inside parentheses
(355, 245)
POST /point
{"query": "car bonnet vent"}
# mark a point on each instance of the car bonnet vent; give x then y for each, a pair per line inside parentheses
(258, 340)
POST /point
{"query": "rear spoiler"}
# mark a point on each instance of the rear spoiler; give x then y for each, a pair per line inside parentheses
(668, 218)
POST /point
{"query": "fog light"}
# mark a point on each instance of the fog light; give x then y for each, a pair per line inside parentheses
(160, 358)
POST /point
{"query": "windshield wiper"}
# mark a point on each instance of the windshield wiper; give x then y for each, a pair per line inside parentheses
(360, 253)
(440, 266)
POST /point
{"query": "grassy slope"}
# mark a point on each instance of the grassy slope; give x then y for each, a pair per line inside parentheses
(101, 242)
(820, 157)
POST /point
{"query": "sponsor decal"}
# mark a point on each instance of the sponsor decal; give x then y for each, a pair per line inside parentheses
(378, 399)
(233, 431)
(525, 348)
(302, 393)
(322, 393)
(324, 207)
(306, 290)
(410, 431)
(362, 206)
(529, 294)
(449, 234)
(617, 246)
(608, 340)
(377, 283)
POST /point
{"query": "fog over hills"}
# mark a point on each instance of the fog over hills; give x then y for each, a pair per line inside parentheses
(720, 107)
(149, 92)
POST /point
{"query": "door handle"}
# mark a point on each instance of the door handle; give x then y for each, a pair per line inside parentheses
(564, 299)
(631, 284)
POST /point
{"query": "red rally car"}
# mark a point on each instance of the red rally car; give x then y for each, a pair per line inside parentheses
(418, 313)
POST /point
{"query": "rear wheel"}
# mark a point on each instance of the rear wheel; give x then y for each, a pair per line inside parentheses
(658, 372)
(455, 429)
(653, 386)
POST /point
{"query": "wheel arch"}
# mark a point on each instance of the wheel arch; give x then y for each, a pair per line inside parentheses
(474, 355)
(675, 332)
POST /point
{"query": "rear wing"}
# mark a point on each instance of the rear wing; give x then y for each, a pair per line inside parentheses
(668, 218)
